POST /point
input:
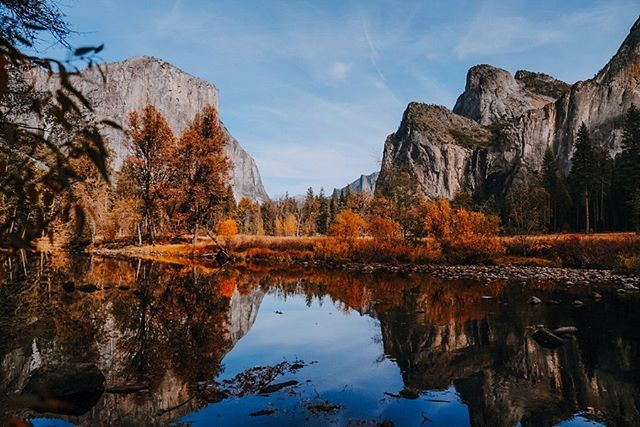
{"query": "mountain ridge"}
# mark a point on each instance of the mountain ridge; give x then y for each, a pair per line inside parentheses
(520, 130)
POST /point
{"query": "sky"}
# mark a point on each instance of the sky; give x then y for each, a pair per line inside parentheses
(311, 89)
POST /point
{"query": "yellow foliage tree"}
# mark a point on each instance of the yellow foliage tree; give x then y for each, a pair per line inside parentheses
(347, 227)
(290, 225)
(228, 227)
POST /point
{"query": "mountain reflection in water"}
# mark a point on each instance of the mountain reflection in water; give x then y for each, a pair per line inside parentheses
(173, 340)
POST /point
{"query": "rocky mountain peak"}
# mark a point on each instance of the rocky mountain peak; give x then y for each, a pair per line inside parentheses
(433, 144)
(364, 184)
(492, 94)
(542, 84)
(527, 113)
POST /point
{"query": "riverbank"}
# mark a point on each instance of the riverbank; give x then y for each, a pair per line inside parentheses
(619, 253)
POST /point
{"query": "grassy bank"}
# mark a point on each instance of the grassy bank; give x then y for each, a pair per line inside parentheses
(620, 251)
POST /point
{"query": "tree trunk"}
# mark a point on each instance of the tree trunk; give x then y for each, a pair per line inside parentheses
(139, 235)
(195, 235)
(586, 211)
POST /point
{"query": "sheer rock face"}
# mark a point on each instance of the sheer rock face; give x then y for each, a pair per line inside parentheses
(524, 119)
(493, 94)
(436, 145)
(364, 184)
(132, 84)
(243, 313)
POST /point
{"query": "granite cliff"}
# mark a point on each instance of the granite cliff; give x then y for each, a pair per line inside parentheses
(364, 184)
(505, 123)
(133, 83)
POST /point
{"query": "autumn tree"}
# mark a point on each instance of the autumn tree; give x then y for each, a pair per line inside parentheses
(228, 227)
(36, 158)
(348, 227)
(200, 173)
(152, 143)
(383, 229)
(400, 188)
(462, 233)
(249, 218)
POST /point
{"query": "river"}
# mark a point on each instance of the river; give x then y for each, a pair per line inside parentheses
(91, 341)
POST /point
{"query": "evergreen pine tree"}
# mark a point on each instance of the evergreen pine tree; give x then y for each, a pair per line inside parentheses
(550, 178)
(582, 178)
(322, 224)
(627, 170)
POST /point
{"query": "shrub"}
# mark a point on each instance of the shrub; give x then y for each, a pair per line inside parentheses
(228, 227)
(463, 235)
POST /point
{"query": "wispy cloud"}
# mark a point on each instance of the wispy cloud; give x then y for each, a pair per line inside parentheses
(339, 71)
(497, 31)
(311, 89)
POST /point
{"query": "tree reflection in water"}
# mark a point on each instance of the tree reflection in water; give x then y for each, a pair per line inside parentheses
(160, 332)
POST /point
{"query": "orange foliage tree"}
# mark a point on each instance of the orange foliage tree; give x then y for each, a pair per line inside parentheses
(200, 173)
(228, 227)
(347, 227)
(460, 231)
(383, 229)
(151, 142)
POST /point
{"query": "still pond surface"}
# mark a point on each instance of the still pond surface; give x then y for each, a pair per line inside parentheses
(103, 342)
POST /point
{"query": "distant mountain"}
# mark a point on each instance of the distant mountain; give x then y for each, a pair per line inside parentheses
(501, 125)
(364, 184)
(133, 83)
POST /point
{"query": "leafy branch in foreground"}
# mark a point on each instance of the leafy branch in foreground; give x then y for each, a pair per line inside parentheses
(42, 131)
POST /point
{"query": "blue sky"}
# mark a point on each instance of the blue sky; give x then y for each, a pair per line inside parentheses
(311, 89)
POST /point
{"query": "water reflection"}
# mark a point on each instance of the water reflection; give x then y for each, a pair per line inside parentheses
(161, 334)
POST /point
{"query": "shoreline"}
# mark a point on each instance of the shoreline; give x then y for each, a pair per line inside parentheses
(487, 272)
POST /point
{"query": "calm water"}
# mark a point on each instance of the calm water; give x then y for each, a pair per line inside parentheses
(192, 345)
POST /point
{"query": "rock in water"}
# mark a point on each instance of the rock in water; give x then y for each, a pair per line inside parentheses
(565, 330)
(547, 339)
(69, 286)
(89, 287)
(410, 393)
(534, 300)
(68, 390)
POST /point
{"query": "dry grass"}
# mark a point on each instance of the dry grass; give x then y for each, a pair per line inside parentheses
(577, 250)
(613, 250)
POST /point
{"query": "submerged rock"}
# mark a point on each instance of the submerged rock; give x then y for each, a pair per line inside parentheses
(68, 390)
(534, 300)
(89, 287)
(410, 393)
(547, 339)
(262, 412)
(276, 387)
(566, 330)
